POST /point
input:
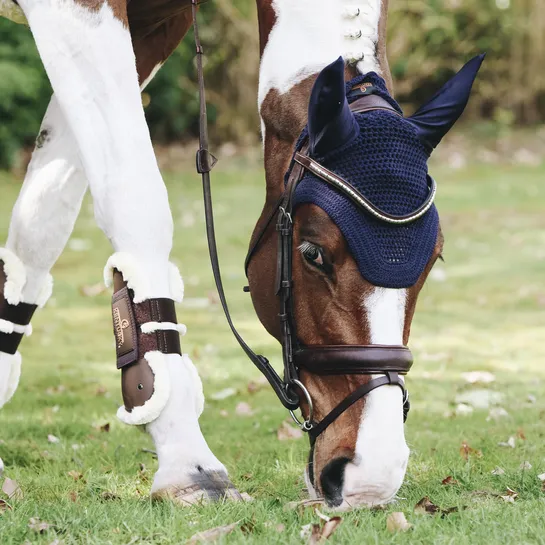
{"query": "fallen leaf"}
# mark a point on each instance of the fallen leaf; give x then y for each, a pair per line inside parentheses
(39, 526)
(213, 533)
(466, 451)
(478, 377)
(256, 385)
(498, 471)
(74, 496)
(509, 496)
(396, 522)
(76, 475)
(520, 434)
(100, 391)
(53, 439)
(531, 398)
(4, 506)
(109, 496)
(303, 504)
(224, 413)
(286, 432)
(243, 409)
(325, 531)
(449, 480)
(541, 477)
(223, 394)
(105, 428)
(525, 465)
(12, 489)
(246, 497)
(509, 443)
(426, 507)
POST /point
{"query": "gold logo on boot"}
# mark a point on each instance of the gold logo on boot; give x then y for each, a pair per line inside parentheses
(119, 325)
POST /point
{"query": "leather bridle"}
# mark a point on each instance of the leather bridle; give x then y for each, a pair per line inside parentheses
(389, 361)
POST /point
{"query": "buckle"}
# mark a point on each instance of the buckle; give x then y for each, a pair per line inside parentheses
(307, 424)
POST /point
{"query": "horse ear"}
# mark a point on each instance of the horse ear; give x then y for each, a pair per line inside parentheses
(437, 116)
(330, 121)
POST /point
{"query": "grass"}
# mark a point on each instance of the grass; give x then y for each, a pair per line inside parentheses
(483, 309)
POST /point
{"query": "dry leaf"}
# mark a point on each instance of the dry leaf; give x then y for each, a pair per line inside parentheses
(4, 506)
(53, 439)
(213, 534)
(303, 504)
(449, 480)
(396, 522)
(223, 394)
(37, 525)
(509, 443)
(105, 428)
(520, 434)
(525, 465)
(246, 497)
(12, 489)
(243, 409)
(76, 475)
(74, 496)
(509, 496)
(286, 432)
(466, 451)
(541, 477)
(109, 496)
(100, 391)
(426, 507)
(224, 413)
(531, 398)
(256, 385)
(480, 398)
(321, 533)
(498, 471)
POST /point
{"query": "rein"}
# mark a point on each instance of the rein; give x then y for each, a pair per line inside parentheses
(389, 361)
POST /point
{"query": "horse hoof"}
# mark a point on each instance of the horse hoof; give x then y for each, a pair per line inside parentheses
(203, 487)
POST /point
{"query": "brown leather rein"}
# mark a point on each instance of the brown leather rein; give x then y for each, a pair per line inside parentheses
(389, 361)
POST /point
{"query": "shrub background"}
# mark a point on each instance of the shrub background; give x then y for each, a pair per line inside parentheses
(428, 42)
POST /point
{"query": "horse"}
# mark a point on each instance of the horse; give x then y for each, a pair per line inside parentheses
(347, 236)
(99, 55)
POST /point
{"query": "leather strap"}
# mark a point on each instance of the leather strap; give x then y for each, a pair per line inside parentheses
(288, 398)
(20, 314)
(354, 359)
(347, 402)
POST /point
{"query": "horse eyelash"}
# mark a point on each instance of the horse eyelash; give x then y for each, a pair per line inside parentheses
(304, 246)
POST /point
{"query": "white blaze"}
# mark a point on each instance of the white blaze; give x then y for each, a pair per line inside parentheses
(381, 452)
(310, 34)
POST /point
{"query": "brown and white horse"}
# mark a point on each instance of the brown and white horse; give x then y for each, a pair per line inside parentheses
(98, 55)
(361, 458)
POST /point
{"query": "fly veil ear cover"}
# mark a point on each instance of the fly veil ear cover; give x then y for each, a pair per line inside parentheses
(435, 118)
(331, 124)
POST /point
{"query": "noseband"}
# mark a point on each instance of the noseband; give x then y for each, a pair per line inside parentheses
(340, 360)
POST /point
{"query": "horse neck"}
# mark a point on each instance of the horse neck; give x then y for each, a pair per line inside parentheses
(297, 40)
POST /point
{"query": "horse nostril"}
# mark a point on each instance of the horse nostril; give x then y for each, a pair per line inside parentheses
(332, 481)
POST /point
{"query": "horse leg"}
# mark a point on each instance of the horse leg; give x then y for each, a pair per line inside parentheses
(87, 51)
(42, 220)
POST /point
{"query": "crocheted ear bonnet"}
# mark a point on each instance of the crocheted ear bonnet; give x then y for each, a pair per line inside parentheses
(385, 157)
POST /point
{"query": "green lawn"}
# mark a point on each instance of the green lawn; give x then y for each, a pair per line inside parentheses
(483, 309)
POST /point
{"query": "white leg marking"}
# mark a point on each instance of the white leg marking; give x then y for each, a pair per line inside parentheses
(90, 62)
(42, 220)
(45, 212)
(310, 34)
(381, 451)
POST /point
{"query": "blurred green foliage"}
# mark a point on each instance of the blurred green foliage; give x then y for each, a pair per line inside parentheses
(428, 41)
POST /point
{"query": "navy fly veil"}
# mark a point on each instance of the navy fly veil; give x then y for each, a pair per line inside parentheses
(384, 156)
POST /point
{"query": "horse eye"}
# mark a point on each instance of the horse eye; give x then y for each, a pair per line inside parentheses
(312, 254)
